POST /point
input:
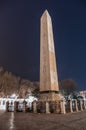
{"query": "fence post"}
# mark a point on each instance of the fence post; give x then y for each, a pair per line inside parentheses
(81, 105)
(7, 106)
(34, 107)
(71, 110)
(24, 106)
(47, 107)
(63, 111)
(76, 105)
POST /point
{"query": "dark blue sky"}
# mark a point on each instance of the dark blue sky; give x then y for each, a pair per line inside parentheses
(20, 37)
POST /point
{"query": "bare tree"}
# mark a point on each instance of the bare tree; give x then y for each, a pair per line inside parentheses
(67, 86)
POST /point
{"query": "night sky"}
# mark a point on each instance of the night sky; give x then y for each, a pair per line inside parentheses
(20, 37)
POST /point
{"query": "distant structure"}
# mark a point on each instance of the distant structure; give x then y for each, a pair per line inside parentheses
(83, 93)
(49, 88)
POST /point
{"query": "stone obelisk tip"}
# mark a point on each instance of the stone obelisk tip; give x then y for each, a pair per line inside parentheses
(46, 13)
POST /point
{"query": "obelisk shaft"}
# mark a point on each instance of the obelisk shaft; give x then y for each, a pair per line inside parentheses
(48, 71)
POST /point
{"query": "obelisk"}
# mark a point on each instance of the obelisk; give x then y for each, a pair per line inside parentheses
(49, 88)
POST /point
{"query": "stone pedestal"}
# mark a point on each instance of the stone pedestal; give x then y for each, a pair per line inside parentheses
(47, 107)
(49, 96)
(62, 103)
(34, 107)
